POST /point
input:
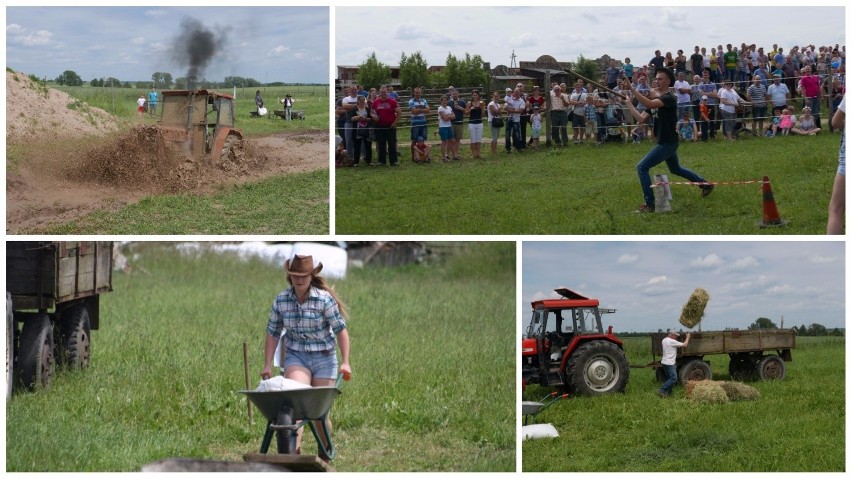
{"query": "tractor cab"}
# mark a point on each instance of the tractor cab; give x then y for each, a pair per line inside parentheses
(557, 329)
(202, 121)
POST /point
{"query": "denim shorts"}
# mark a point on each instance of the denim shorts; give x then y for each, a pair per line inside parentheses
(321, 364)
(446, 133)
(418, 131)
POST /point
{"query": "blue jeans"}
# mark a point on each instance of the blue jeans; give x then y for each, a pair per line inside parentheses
(814, 104)
(513, 135)
(671, 378)
(657, 155)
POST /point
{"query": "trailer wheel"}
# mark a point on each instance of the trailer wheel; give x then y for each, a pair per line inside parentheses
(741, 367)
(75, 342)
(597, 367)
(10, 344)
(35, 354)
(771, 367)
(695, 370)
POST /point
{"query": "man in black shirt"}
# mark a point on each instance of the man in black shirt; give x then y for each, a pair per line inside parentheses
(665, 130)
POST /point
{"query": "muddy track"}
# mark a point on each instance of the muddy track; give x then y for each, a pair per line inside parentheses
(56, 182)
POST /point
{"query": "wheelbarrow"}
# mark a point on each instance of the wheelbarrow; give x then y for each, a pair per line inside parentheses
(287, 411)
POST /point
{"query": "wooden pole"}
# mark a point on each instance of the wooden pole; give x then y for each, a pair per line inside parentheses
(548, 106)
(246, 368)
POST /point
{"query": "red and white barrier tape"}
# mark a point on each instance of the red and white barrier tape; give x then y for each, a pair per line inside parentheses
(714, 183)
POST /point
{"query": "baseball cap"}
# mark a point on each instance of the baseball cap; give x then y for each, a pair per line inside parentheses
(703, 97)
(508, 90)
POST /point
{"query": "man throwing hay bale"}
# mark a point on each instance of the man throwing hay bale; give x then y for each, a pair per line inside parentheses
(693, 310)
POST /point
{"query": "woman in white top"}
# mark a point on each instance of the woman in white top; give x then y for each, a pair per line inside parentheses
(494, 112)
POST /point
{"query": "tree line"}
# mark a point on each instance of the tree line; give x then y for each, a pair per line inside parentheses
(414, 71)
(160, 81)
(815, 329)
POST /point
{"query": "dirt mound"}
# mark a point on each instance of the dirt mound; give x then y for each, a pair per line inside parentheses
(33, 111)
(143, 160)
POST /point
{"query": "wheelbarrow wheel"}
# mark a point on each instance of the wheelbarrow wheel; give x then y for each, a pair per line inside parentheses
(286, 437)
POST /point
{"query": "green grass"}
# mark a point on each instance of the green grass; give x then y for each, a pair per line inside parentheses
(291, 204)
(314, 100)
(591, 189)
(433, 384)
(796, 425)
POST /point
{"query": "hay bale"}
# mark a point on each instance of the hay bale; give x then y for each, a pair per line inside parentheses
(738, 391)
(707, 392)
(693, 310)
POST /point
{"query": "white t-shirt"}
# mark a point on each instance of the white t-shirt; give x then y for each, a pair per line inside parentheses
(445, 110)
(730, 95)
(140, 102)
(683, 97)
(670, 350)
(496, 110)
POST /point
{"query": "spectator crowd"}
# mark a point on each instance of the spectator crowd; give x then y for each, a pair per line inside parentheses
(721, 94)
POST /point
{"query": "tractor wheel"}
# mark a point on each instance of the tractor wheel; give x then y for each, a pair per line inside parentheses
(76, 337)
(232, 149)
(595, 368)
(35, 352)
(741, 367)
(10, 344)
(771, 367)
(695, 370)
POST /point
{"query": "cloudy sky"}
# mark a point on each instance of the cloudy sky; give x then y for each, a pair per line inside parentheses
(565, 32)
(286, 44)
(648, 282)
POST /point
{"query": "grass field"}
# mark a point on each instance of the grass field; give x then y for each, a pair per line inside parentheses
(433, 384)
(796, 425)
(314, 100)
(590, 189)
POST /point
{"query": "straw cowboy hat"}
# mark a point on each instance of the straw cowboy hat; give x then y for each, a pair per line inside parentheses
(302, 266)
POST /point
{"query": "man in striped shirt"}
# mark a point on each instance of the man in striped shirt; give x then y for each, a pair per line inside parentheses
(756, 94)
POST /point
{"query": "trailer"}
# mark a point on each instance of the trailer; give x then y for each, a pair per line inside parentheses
(754, 354)
(53, 292)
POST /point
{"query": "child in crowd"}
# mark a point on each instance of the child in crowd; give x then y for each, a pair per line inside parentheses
(590, 111)
(775, 123)
(704, 111)
(787, 121)
(686, 127)
(421, 151)
(535, 119)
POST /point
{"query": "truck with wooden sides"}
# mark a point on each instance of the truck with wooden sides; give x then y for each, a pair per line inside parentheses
(53, 293)
(754, 354)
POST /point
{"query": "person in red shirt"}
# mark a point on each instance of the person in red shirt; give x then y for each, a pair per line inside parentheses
(386, 113)
(809, 87)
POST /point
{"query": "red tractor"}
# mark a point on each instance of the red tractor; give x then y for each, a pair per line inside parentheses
(565, 347)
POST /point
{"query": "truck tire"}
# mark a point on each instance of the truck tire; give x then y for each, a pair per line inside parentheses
(596, 368)
(10, 344)
(35, 364)
(695, 370)
(75, 342)
(771, 368)
(742, 367)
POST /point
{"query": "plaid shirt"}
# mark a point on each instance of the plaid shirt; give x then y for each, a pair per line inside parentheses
(311, 326)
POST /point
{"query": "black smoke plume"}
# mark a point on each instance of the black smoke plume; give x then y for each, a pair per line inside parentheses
(195, 46)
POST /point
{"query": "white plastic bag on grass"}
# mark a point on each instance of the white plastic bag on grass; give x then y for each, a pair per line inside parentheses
(538, 431)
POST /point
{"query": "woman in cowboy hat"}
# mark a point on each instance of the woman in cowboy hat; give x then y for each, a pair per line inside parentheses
(311, 316)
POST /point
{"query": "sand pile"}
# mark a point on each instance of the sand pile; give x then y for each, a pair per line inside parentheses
(34, 111)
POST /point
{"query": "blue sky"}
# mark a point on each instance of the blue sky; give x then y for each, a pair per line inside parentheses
(648, 282)
(289, 44)
(569, 30)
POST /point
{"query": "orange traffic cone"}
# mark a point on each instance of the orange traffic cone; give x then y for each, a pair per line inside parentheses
(770, 209)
